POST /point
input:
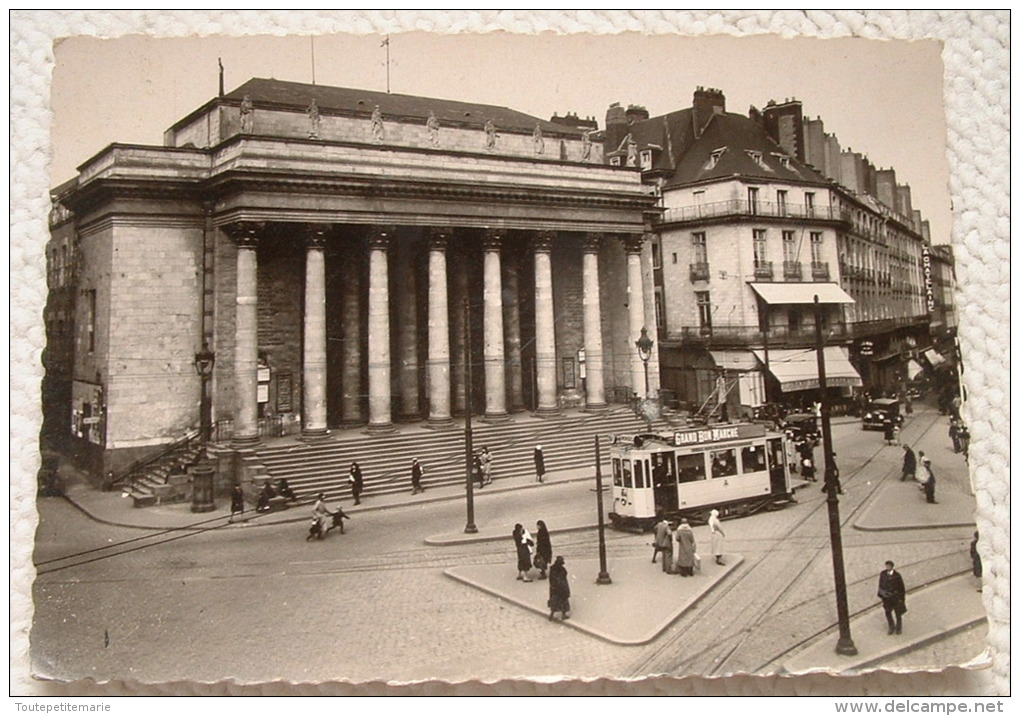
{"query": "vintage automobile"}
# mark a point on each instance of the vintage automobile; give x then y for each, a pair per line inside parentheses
(878, 410)
(802, 426)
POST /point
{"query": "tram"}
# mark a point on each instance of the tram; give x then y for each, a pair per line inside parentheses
(736, 468)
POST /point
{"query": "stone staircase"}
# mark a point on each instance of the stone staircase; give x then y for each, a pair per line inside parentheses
(385, 459)
(164, 479)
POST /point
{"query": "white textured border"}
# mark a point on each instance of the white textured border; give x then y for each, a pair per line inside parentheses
(976, 57)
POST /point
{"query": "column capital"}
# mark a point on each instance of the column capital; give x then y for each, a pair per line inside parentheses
(543, 241)
(438, 236)
(245, 233)
(316, 235)
(379, 237)
(492, 239)
(593, 240)
(632, 243)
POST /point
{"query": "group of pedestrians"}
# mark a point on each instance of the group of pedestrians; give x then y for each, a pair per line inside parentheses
(324, 520)
(918, 468)
(481, 467)
(678, 546)
(536, 553)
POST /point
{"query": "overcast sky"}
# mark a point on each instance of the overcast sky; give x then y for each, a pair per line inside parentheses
(880, 97)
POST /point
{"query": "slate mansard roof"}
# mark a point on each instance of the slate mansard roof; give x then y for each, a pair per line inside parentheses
(272, 93)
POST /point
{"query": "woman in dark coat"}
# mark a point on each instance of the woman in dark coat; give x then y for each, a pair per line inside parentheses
(236, 502)
(521, 544)
(539, 463)
(543, 549)
(559, 590)
(357, 482)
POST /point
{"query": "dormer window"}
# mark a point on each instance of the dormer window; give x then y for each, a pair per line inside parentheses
(785, 162)
(716, 156)
(757, 159)
(614, 161)
(646, 159)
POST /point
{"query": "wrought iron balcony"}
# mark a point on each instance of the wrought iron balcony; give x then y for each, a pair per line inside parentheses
(747, 336)
(791, 270)
(763, 270)
(742, 207)
(820, 270)
(699, 272)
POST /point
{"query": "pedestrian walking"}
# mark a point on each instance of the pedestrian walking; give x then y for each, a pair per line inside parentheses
(523, 549)
(715, 525)
(909, 464)
(908, 404)
(963, 435)
(539, 463)
(338, 516)
(807, 469)
(888, 430)
(357, 482)
(975, 559)
(559, 590)
(664, 543)
(476, 469)
(543, 549)
(954, 434)
(894, 597)
(832, 475)
(319, 514)
(486, 462)
(928, 484)
(236, 502)
(416, 473)
(686, 549)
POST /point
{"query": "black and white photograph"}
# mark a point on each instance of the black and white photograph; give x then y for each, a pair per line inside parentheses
(433, 354)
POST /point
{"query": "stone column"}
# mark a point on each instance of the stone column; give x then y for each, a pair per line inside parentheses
(407, 327)
(493, 352)
(545, 332)
(512, 333)
(439, 332)
(313, 408)
(595, 398)
(351, 389)
(379, 415)
(458, 330)
(636, 310)
(246, 352)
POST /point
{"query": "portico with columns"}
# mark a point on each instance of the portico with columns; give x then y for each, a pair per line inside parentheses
(343, 266)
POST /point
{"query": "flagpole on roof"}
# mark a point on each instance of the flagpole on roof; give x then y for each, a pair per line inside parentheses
(312, 39)
(386, 44)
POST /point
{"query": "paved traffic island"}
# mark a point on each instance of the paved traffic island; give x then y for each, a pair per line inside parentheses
(901, 506)
(639, 604)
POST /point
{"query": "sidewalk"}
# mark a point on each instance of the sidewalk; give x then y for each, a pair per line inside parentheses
(934, 612)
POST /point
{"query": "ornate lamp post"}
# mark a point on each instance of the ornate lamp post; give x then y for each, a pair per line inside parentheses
(644, 346)
(845, 645)
(202, 473)
(603, 577)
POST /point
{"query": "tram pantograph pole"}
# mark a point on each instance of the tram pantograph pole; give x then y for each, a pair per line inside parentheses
(603, 577)
(845, 644)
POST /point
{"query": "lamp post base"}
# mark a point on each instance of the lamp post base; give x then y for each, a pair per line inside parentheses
(470, 529)
(845, 647)
(603, 578)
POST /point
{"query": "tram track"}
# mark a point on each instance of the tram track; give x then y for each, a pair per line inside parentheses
(668, 650)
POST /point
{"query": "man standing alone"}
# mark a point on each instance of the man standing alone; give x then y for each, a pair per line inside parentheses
(909, 464)
(539, 463)
(664, 544)
(893, 595)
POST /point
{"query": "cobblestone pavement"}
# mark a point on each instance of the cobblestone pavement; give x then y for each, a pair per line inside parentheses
(261, 604)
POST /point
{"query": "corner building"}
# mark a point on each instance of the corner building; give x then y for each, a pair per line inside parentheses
(327, 246)
(750, 233)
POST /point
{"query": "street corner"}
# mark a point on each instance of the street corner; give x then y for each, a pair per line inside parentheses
(901, 506)
(639, 603)
(935, 612)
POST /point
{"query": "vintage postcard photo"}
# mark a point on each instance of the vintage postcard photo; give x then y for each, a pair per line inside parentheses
(480, 357)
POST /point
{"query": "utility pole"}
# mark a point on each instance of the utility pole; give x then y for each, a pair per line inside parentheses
(845, 645)
(469, 452)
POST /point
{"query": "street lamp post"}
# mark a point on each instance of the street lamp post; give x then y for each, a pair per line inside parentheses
(603, 577)
(202, 474)
(845, 645)
(470, 528)
(644, 345)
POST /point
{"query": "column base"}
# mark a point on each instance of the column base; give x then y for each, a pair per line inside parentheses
(409, 418)
(548, 413)
(380, 428)
(596, 407)
(439, 423)
(245, 441)
(496, 418)
(317, 435)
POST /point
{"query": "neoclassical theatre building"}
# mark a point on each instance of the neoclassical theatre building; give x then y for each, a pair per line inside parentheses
(334, 250)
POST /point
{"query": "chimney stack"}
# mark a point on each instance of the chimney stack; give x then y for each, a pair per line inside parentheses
(708, 102)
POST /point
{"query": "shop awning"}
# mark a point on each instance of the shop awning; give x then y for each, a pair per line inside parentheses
(935, 358)
(798, 369)
(735, 360)
(792, 293)
(914, 369)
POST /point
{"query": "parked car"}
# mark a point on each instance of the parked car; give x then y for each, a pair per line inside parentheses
(878, 410)
(802, 426)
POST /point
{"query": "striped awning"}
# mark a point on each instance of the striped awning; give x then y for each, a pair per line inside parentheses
(798, 369)
(796, 293)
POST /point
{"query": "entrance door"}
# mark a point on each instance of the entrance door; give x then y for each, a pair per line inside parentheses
(777, 467)
(664, 481)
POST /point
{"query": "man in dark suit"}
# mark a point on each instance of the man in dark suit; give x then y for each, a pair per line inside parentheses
(909, 464)
(893, 595)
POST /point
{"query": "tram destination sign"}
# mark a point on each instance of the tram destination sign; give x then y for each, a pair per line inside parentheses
(718, 433)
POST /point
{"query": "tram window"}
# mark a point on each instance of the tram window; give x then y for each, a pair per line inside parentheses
(691, 468)
(724, 462)
(752, 458)
(662, 468)
(638, 477)
(776, 452)
(617, 473)
(627, 481)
